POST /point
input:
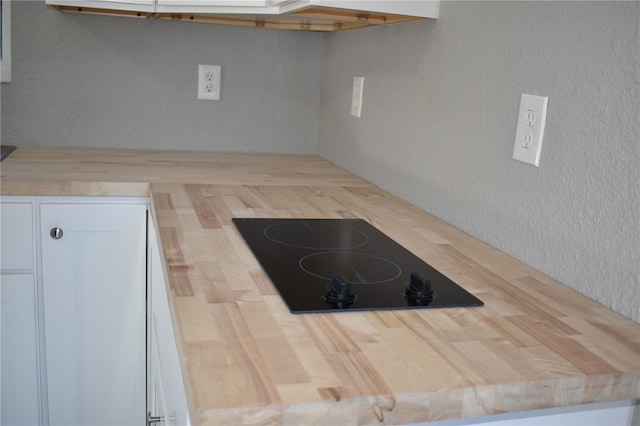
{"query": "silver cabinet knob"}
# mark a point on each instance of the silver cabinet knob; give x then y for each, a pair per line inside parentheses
(56, 233)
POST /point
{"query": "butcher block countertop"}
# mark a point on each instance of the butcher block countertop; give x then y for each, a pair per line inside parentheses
(248, 360)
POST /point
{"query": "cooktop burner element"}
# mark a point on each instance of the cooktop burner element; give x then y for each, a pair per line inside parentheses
(315, 235)
(326, 265)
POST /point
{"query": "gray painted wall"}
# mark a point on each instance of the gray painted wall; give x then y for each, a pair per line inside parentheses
(439, 116)
(81, 80)
(439, 119)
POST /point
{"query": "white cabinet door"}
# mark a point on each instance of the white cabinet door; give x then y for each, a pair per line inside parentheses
(93, 280)
(424, 8)
(131, 5)
(241, 7)
(419, 8)
(19, 389)
(166, 398)
(215, 3)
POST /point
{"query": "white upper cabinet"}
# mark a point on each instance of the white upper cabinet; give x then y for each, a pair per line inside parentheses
(313, 15)
(217, 6)
(223, 3)
(95, 6)
(417, 8)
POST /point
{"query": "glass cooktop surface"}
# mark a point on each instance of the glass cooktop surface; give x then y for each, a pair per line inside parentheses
(328, 265)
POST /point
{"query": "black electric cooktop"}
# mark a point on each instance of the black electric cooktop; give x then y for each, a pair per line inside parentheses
(327, 265)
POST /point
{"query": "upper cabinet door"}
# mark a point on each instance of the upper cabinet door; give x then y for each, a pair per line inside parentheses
(417, 8)
(220, 6)
(147, 6)
(215, 3)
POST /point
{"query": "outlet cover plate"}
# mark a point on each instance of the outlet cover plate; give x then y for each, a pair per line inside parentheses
(209, 82)
(356, 96)
(530, 129)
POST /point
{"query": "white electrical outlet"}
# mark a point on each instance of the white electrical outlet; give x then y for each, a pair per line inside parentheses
(530, 129)
(209, 82)
(356, 96)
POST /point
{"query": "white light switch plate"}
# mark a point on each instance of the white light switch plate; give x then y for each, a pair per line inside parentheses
(530, 129)
(356, 96)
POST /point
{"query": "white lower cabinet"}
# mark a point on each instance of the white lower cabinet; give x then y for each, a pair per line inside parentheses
(94, 288)
(73, 291)
(611, 413)
(166, 398)
(19, 372)
(20, 391)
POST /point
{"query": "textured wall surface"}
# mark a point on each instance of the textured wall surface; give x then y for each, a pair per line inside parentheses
(81, 80)
(438, 126)
(439, 115)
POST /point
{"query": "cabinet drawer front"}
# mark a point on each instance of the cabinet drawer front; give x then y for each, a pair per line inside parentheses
(16, 230)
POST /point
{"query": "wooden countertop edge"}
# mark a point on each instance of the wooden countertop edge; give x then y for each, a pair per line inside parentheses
(74, 188)
(114, 165)
(437, 405)
(176, 328)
